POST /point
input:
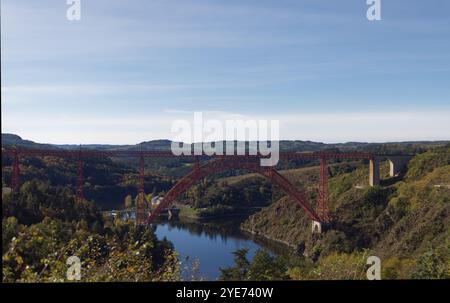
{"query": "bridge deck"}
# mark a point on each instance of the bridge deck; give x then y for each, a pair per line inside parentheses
(169, 154)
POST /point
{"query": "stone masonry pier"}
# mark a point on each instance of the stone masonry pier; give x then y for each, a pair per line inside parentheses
(397, 164)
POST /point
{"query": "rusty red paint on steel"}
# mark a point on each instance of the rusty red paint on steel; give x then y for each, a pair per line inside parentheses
(218, 163)
(169, 154)
(79, 190)
(140, 203)
(322, 198)
(224, 163)
(15, 171)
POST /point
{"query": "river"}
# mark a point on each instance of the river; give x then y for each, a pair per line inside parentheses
(212, 244)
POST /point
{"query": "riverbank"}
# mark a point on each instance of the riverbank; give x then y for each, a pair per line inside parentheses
(235, 221)
(187, 212)
(206, 246)
(267, 237)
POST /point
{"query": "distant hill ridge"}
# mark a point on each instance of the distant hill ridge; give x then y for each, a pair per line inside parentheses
(9, 140)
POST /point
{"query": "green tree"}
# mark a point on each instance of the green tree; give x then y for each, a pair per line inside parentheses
(266, 267)
(432, 265)
(239, 271)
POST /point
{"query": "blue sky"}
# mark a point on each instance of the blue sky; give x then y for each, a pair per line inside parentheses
(127, 69)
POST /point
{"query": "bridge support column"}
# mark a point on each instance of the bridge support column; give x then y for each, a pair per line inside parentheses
(316, 227)
(397, 164)
(79, 190)
(322, 198)
(320, 227)
(374, 172)
(15, 172)
(140, 203)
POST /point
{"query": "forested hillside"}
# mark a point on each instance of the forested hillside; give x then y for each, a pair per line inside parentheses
(406, 222)
(106, 182)
(42, 226)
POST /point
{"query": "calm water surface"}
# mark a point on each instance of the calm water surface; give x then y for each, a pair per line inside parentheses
(212, 244)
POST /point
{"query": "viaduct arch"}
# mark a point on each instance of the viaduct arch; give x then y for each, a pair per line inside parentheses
(224, 163)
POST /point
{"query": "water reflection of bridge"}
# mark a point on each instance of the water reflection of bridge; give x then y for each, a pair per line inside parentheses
(130, 214)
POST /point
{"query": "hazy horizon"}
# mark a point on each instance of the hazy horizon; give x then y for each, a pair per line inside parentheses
(166, 139)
